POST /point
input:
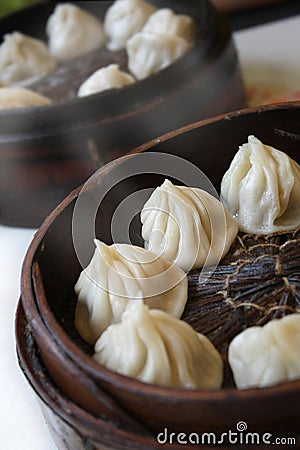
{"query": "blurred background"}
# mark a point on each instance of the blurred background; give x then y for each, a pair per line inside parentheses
(7, 6)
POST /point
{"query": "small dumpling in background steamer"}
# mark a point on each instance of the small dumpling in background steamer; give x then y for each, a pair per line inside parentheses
(24, 59)
(121, 272)
(19, 97)
(268, 355)
(187, 226)
(166, 21)
(154, 347)
(149, 53)
(72, 32)
(124, 19)
(110, 77)
(261, 189)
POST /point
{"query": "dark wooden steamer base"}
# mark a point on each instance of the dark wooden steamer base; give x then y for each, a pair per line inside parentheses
(51, 268)
(71, 427)
(46, 152)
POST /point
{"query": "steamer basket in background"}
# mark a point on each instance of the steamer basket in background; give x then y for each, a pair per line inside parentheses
(45, 152)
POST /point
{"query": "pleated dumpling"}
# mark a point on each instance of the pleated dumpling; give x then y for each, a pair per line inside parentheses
(187, 226)
(261, 189)
(24, 59)
(72, 32)
(154, 347)
(19, 97)
(166, 21)
(149, 53)
(123, 19)
(268, 355)
(109, 77)
(121, 272)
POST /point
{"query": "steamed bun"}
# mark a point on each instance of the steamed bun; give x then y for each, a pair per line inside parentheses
(149, 53)
(121, 272)
(110, 77)
(24, 59)
(18, 97)
(187, 226)
(261, 189)
(72, 32)
(124, 19)
(166, 21)
(154, 347)
(264, 356)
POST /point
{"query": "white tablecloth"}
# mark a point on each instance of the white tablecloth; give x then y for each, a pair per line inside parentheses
(270, 62)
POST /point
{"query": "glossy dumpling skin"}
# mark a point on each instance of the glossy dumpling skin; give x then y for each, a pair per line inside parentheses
(149, 53)
(124, 19)
(154, 347)
(187, 226)
(72, 32)
(265, 356)
(121, 272)
(261, 189)
(24, 59)
(18, 97)
(166, 21)
(110, 77)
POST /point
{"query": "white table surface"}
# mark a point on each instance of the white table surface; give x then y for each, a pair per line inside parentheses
(269, 56)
